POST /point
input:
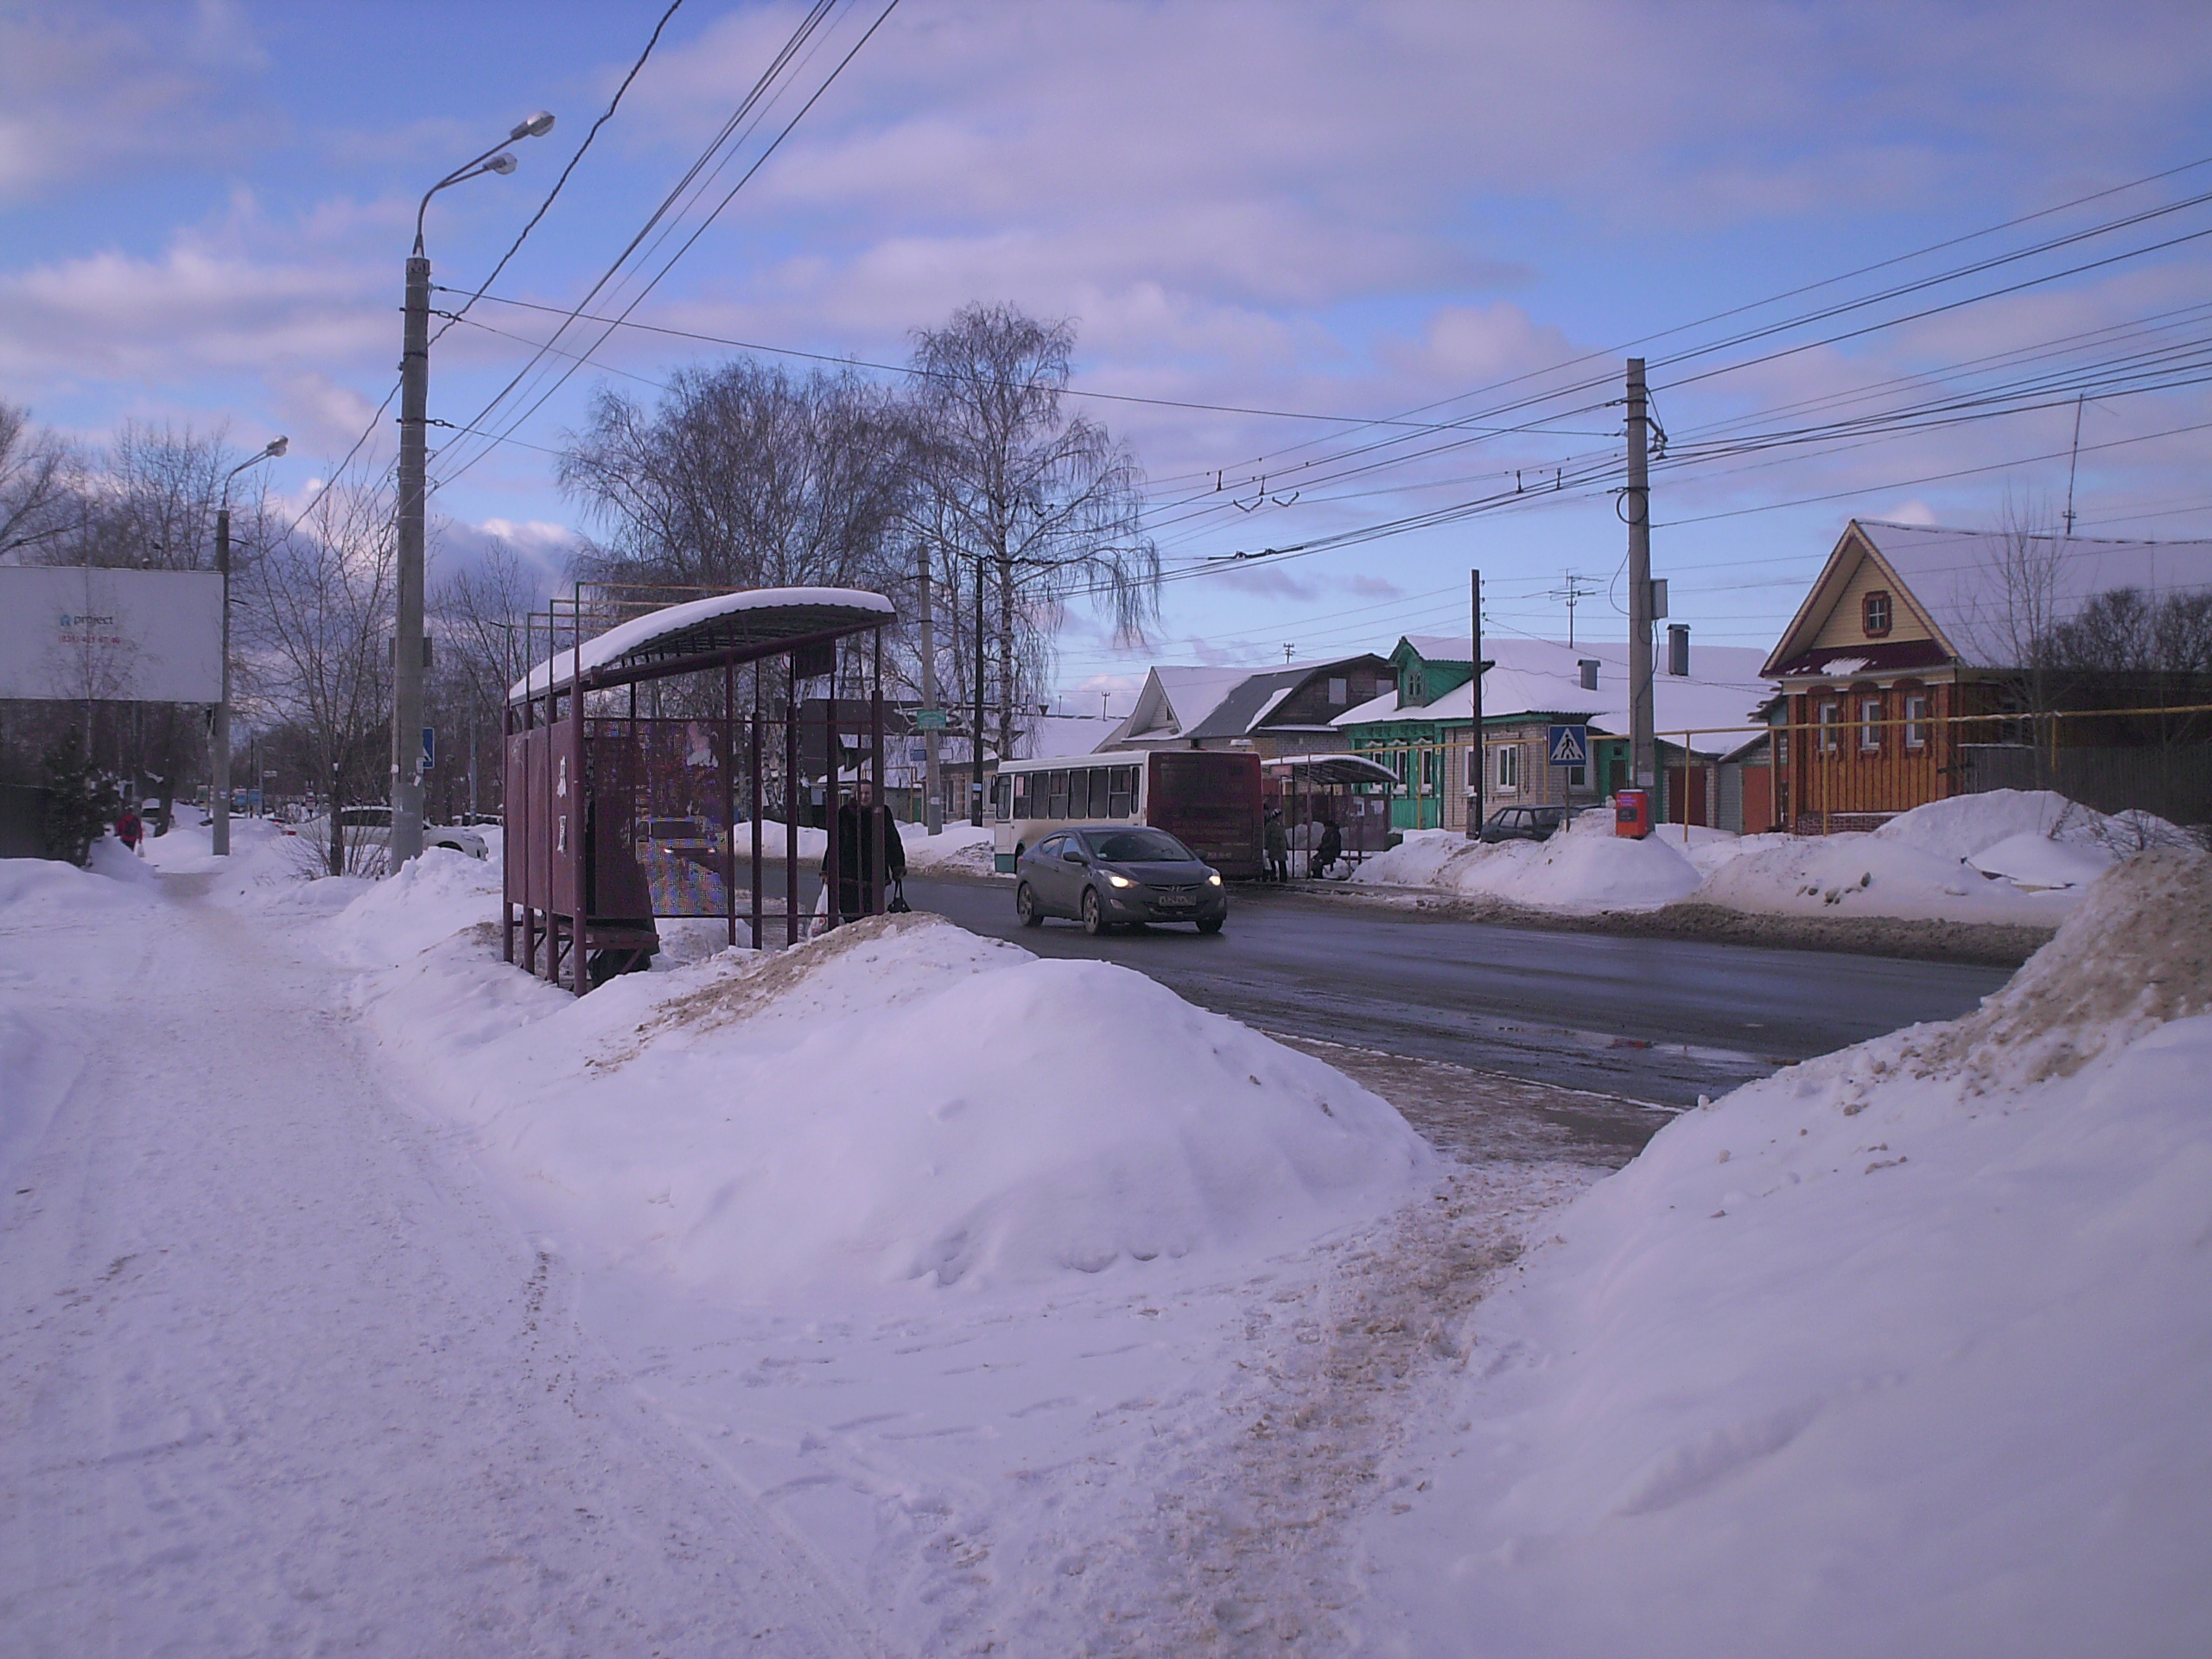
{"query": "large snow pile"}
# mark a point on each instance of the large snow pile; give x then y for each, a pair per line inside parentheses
(1904, 1350)
(958, 849)
(2010, 855)
(431, 897)
(36, 892)
(897, 1101)
(1581, 871)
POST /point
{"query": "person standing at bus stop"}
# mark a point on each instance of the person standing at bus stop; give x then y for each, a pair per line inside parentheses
(1278, 846)
(858, 820)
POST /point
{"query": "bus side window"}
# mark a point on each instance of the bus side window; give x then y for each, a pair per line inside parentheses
(1121, 791)
(1021, 795)
(1099, 792)
(1058, 808)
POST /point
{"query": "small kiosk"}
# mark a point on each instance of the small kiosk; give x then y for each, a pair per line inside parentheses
(616, 819)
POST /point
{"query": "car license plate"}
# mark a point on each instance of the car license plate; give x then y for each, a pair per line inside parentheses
(1178, 900)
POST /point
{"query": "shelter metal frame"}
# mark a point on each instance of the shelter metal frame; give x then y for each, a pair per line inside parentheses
(572, 886)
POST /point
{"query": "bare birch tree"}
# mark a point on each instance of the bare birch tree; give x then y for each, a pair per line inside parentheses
(1021, 500)
(316, 624)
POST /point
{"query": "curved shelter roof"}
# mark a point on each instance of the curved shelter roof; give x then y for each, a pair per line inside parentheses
(708, 632)
(1346, 769)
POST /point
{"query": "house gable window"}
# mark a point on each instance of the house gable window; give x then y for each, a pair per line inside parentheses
(1874, 615)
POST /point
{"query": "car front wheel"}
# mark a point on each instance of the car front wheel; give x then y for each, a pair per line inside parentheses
(1211, 924)
(1025, 905)
(1094, 919)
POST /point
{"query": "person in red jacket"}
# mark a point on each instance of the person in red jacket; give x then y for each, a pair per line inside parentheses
(127, 829)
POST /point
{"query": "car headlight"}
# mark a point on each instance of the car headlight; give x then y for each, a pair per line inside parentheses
(1113, 881)
(1213, 878)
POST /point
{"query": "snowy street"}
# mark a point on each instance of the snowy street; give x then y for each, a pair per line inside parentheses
(279, 1378)
(880, 1297)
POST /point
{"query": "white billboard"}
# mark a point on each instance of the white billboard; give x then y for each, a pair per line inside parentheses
(72, 633)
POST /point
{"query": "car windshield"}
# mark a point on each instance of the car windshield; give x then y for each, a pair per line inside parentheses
(1139, 847)
(672, 828)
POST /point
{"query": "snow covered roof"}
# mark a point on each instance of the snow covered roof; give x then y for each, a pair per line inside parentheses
(1538, 678)
(1176, 699)
(1970, 584)
(759, 619)
(1333, 768)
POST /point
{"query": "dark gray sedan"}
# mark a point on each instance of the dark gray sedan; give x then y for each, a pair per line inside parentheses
(1103, 875)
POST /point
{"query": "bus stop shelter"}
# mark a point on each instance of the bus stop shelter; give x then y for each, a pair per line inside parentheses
(615, 818)
(1350, 790)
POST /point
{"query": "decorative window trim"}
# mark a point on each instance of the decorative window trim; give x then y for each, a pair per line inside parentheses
(1877, 612)
(1870, 724)
(1916, 720)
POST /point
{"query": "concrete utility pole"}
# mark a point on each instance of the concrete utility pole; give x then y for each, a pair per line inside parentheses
(410, 652)
(1476, 758)
(1636, 508)
(219, 781)
(932, 791)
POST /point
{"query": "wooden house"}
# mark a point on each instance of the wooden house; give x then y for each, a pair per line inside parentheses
(1912, 670)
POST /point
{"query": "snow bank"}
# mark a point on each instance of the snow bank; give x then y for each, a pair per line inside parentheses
(900, 1100)
(1577, 873)
(2008, 856)
(42, 890)
(1904, 1350)
(960, 848)
(432, 898)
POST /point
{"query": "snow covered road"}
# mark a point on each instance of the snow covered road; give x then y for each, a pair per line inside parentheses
(277, 1378)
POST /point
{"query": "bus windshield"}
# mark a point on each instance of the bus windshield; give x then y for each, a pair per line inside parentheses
(1139, 847)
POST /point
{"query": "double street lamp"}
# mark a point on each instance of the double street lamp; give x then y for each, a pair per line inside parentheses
(409, 647)
(220, 782)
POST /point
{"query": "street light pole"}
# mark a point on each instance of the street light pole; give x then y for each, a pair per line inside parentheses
(408, 645)
(219, 781)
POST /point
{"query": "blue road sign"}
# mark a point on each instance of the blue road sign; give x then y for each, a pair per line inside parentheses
(1570, 746)
(429, 747)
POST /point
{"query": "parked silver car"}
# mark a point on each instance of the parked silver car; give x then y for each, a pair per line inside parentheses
(367, 831)
(1103, 875)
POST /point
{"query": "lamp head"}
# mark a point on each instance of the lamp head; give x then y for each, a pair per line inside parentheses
(503, 164)
(536, 127)
(277, 447)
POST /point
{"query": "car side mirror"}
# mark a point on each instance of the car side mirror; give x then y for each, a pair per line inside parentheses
(1073, 855)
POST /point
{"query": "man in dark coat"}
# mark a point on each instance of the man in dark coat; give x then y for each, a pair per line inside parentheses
(858, 820)
(1330, 850)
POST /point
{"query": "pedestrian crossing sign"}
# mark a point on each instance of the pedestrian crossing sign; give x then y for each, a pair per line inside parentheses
(1570, 746)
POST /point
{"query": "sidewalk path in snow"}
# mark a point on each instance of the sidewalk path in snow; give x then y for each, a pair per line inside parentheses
(274, 1378)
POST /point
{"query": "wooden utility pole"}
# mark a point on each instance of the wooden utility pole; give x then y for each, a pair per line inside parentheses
(1476, 758)
(933, 793)
(1636, 508)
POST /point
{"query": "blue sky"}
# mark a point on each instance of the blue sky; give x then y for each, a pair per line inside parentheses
(1355, 211)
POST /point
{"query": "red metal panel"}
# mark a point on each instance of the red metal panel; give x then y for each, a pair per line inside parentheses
(1210, 801)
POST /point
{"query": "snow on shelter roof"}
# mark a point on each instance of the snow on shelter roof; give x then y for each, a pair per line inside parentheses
(756, 622)
(1339, 768)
